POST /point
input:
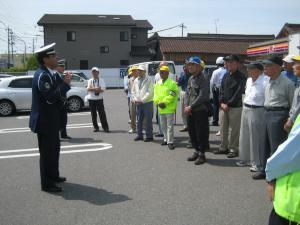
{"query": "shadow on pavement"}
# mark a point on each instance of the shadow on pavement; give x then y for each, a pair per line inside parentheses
(81, 140)
(222, 162)
(90, 194)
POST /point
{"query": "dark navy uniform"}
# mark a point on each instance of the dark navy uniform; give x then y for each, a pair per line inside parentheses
(47, 92)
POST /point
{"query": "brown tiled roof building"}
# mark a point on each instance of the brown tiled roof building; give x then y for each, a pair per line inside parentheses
(207, 46)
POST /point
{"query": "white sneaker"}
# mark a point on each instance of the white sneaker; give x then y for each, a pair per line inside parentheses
(129, 121)
(254, 168)
(131, 131)
(218, 133)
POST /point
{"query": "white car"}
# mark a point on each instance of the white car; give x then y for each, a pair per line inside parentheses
(16, 95)
(79, 79)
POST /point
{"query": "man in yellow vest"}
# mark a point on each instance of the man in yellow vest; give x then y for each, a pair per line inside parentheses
(166, 97)
(283, 169)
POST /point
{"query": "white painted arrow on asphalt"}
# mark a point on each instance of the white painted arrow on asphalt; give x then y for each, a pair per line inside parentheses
(26, 129)
(73, 149)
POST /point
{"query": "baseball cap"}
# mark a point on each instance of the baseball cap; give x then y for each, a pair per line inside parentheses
(232, 58)
(296, 58)
(164, 68)
(255, 65)
(95, 69)
(195, 60)
(288, 59)
(273, 60)
(220, 60)
(142, 67)
(134, 67)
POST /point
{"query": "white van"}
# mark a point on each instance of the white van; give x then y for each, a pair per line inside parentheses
(152, 68)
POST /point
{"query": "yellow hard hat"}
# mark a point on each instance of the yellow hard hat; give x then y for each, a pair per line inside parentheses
(296, 58)
(202, 64)
(134, 67)
(164, 68)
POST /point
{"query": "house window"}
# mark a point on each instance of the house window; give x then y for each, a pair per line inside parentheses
(71, 36)
(104, 49)
(133, 36)
(84, 64)
(123, 36)
(124, 63)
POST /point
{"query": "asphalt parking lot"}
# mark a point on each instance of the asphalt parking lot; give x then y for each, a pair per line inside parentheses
(114, 181)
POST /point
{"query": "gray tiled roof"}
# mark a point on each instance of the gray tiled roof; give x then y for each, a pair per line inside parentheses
(96, 20)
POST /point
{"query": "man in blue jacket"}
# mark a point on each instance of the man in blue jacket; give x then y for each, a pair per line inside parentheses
(47, 94)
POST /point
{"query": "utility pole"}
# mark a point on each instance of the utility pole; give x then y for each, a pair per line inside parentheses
(216, 24)
(182, 27)
(32, 45)
(8, 48)
(12, 46)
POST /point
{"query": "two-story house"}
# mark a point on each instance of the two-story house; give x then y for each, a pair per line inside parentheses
(106, 41)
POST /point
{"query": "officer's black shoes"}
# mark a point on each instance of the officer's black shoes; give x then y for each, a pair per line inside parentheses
(194, 157)
(232, 155)
(219, 152)
(65, 137)
(138, 138)
(164, 143)
(201, 159)
(215, 124)
(148, 139)
(60, 179)
(171, 146)
(106, 131)
(52, 189)
(96, 129)
(159, 135)
(259, 176)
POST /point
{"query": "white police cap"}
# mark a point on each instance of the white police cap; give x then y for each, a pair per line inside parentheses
(47, 50)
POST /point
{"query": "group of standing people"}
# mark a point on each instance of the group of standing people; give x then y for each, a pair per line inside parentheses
(163, 94)
(144, 95)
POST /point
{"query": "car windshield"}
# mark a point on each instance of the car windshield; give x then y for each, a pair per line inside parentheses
(80, 74)
(153, 68)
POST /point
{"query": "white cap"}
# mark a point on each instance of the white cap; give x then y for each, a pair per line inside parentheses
(142, 67)
(95, 69)
(48, 49)
(220, 60)
(288, 59)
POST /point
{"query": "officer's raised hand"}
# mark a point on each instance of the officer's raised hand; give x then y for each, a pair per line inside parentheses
(68, 78)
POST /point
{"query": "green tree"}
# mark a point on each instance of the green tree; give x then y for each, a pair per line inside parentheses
(32, 63)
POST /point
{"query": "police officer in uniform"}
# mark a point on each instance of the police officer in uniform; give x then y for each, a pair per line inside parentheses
(64, 111)
(47, 92)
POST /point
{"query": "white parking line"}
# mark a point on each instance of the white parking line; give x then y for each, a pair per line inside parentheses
(100, 147)
(69, 114)
(26, 129)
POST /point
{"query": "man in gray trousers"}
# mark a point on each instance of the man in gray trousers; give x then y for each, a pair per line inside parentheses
(251, 138)
(279, 95)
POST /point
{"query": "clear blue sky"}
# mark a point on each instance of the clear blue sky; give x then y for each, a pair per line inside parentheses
(199, 16)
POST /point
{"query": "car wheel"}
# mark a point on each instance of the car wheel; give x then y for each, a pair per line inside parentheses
(6, 108)
(74, 104)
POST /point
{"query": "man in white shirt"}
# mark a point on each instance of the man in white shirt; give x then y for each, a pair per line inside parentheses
(252, 133)
(96, 87)
(215, 84)
(142, 96)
